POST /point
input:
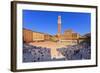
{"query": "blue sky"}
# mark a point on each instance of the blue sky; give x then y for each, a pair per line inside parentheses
(46, 21)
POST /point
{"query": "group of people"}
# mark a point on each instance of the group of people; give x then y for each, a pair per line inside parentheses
(76, 52)
(35, 54)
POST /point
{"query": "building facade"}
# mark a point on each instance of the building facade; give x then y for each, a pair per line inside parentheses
(30, 36)
(27, 35)
(38, 36)
(70, 37)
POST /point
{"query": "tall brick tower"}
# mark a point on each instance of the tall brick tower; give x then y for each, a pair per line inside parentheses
(59, 24)
(59, 27)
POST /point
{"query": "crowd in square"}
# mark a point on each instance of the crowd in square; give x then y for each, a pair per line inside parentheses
(35, 54)
(76, 52)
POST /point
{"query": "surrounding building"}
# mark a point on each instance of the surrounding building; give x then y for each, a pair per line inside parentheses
(69, 34)
(70, 37)
(47, 37)
(38, 36)
(29, 36)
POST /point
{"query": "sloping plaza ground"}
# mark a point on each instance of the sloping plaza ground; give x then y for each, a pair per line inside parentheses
(52, 45)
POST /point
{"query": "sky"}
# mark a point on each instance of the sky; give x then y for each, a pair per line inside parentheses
(47, 21)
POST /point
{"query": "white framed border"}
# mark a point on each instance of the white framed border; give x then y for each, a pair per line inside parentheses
(54, 64)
